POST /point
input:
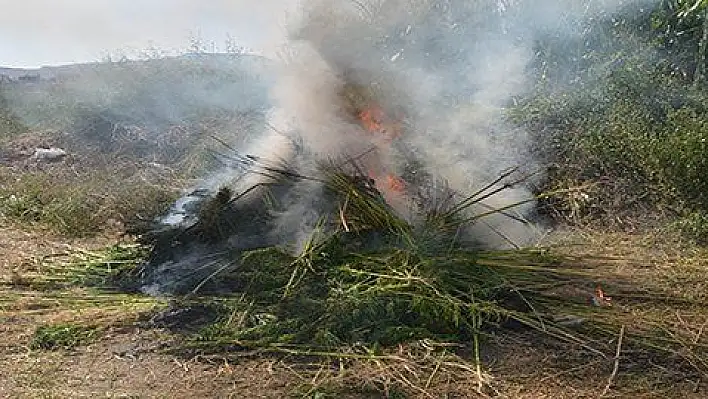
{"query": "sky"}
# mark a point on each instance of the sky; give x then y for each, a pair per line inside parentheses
(36, 33)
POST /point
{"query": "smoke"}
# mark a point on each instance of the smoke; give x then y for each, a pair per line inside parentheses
(446, 70)
(443, 72)
(449, 68)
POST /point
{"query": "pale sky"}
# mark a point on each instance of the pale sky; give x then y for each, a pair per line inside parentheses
(53, 32)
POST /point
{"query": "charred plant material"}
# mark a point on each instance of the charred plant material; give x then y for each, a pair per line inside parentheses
(212, 225)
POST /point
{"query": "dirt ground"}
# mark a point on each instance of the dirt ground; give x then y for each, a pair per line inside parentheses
(129, 360)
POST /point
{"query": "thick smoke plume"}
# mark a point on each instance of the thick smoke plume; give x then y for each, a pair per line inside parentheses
(437, 75)
(434, 77)
(445, 69)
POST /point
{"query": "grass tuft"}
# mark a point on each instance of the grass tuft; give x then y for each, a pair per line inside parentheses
(62, 336)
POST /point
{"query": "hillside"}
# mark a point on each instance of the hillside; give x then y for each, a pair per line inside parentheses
(246, 61)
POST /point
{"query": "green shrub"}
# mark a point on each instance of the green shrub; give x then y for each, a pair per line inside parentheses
(694, 226)
(617, 113)
(636, 137)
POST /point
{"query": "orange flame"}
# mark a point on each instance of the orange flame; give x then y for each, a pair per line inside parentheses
(600, 299)
(395, 183)
(375, 121)
(389, 183)
(372, 118)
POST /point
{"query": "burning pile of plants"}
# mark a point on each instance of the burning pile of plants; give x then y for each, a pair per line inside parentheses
(284, 194)
(369, 275)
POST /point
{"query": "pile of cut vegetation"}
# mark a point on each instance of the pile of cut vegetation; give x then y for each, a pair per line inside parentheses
(368, 281)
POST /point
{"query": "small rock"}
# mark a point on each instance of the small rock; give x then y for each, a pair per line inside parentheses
(51, 154)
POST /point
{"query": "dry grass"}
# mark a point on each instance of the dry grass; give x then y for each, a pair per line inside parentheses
(83, 194)
(654, 259)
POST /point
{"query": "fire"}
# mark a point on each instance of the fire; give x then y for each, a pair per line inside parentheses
(388, 182)
(371, 118)
(395, 183)
(375, 121)
(384, 130)
(600, 299)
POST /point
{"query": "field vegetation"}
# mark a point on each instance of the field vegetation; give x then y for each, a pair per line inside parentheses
(613, 303)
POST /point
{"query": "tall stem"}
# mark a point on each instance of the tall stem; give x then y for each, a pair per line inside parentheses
(702, 56)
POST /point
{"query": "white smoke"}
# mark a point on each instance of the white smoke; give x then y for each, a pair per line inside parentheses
(447, 69)
(453, 99)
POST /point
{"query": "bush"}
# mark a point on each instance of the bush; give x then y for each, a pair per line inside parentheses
(618, 115)
(10, 124)
(694, 226)
(634, 136)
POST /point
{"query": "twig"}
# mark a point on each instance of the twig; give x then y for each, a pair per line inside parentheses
(697, 338)
(432, 375)
(342, 216)
(477, 321)
(611, 380)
